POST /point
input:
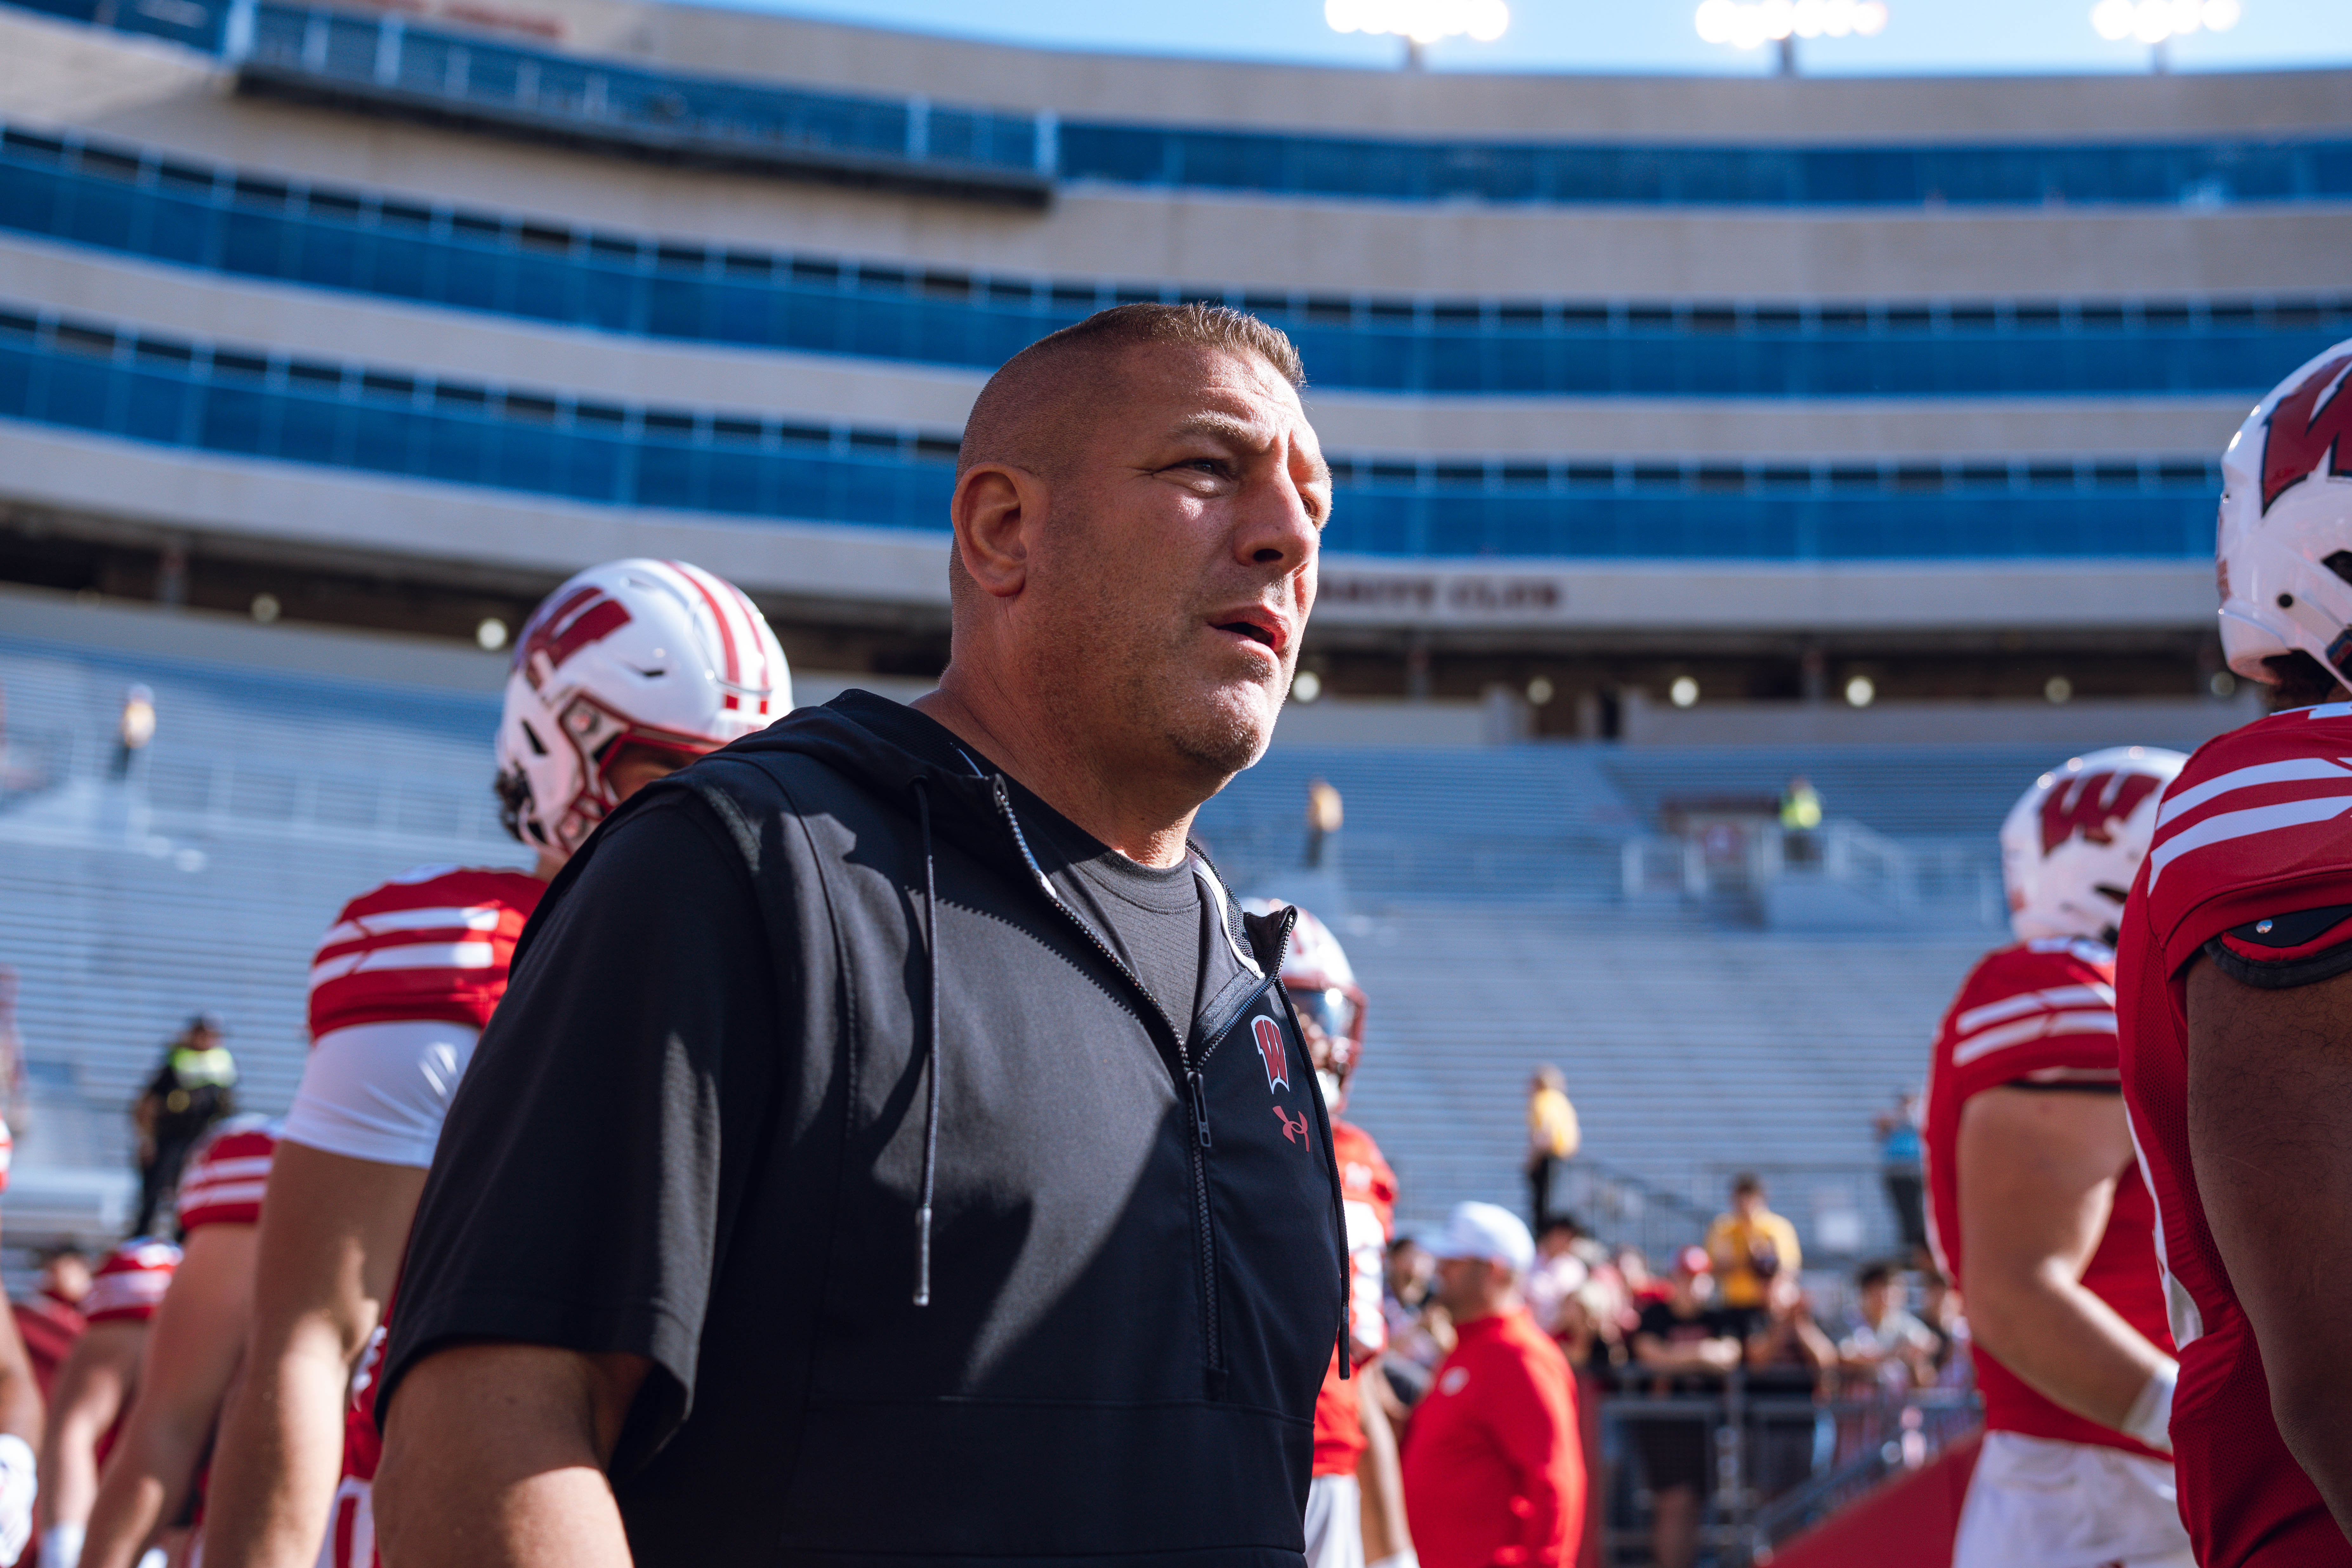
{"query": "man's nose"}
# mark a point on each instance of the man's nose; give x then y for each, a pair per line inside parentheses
(1276, 527)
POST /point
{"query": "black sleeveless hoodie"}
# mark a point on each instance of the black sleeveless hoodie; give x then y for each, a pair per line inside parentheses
(1101, 1338)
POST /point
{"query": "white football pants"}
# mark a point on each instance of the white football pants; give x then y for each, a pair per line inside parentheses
(2035, 1502)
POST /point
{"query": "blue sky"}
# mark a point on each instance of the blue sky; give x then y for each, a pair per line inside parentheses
(1922, 35)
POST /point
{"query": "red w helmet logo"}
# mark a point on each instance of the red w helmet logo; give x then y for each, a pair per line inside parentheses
(2300, 435)
(1269, 1045)
(559, 631)
(2091, 805)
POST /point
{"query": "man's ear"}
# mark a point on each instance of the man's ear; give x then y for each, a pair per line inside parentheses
(997, 511)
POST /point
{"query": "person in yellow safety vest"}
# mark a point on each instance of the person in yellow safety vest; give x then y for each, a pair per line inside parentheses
(194, 1088)
(1553, 1138)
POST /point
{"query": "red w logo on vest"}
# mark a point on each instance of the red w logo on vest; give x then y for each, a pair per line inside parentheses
(1269, 1046)
(2090, 805)
(562, 630)
(2301, 433)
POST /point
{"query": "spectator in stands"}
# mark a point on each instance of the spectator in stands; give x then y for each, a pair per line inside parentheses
(1641, 1287)
(1419, 1331)
(1749, 1247)
(1553, 1138)
(1900, 1154)
(1559, 1272)
(194, 1086)
(1940, 1310)
(1325, 813)
(1801, 821)
(1788, 1357)
(1687, 1345)
(1494, 1465)
(1884, 1341)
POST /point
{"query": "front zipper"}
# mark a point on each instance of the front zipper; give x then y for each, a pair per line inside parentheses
(1188, 1072)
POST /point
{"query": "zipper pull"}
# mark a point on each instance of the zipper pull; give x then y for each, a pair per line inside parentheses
(1200, 1106)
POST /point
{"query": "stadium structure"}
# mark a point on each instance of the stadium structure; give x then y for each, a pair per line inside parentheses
(1689, 436)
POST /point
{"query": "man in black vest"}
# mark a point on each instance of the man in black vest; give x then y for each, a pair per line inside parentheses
(896, 1146)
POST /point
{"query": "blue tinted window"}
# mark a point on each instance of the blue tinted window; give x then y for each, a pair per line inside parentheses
(102, 214)
(233, 419)
(308, 429)
(76, 393)
(156, 408)
(253, 243)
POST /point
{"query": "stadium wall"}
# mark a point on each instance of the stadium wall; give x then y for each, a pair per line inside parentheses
(1764, 383)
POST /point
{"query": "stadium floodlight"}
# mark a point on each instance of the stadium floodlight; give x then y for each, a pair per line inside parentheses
(2156, 22)
(1420, 23)
(1751, 24)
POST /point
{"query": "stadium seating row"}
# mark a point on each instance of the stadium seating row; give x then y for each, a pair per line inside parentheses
(92, 375)
(203, 879)
(248, 224)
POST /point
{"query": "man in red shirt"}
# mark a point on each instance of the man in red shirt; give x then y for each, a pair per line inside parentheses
(1493, 1473)
(2233, 988)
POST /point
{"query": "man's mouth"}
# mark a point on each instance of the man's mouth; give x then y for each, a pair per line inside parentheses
(1265, 631)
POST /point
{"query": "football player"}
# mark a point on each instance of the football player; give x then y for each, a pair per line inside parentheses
(2234, 979)
(193, 1348)
(625, 673)
(2037, 1211)
(1355, 1499)
(95, 1387)
(20, 1418)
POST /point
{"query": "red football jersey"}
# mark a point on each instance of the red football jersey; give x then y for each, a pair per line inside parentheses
(225, 1180)
(130, 1285)
(432, 944)
(1368, 1194)
(2039, 1012)
(2259, 825)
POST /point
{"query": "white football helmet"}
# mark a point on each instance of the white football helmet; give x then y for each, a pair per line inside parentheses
(653, 654)
(2285, 550)
(2073, 842)
(1322, 986)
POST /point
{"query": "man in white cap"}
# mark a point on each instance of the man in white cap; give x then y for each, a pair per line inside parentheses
(1494, 1471)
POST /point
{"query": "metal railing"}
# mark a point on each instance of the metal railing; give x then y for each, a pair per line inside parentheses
(1738, 858)
(1776, 1462)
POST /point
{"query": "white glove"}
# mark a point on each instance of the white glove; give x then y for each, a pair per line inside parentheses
(19, 1484)
(61, 1545)
(1408, 1558)
(2150, 1420)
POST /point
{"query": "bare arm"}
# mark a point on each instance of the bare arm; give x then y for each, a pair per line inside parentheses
(333, 1231)
(2270, 1135)
(193, 1349)
(2037, 1180)
(20, 1393)
(494, 1457)
(92, 1388)
(1379, 1478)
(1720, 1355)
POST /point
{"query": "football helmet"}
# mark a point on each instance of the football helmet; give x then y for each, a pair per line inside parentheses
(652, 654)
(1322, 986)
(2072, 843)
(2284, 554)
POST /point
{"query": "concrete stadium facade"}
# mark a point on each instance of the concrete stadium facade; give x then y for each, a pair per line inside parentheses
(1921, 380)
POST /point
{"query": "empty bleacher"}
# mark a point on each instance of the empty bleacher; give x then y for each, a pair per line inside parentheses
(1478, 889)
(201, 878)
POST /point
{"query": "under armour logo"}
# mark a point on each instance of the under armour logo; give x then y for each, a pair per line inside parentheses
(1293, 1132)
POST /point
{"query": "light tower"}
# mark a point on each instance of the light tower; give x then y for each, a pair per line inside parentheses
(1420, 23)
(2156, 22)
(1752, 24)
